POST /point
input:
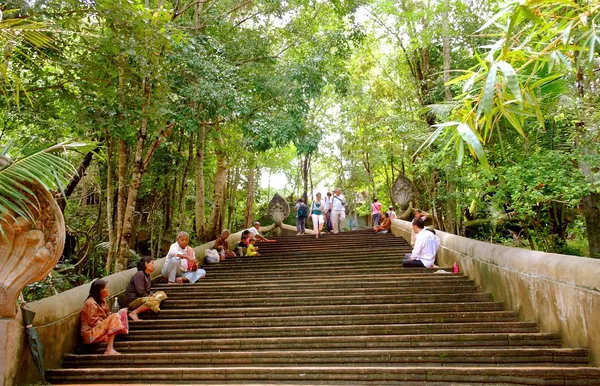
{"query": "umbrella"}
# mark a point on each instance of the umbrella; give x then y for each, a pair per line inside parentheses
(35, 345)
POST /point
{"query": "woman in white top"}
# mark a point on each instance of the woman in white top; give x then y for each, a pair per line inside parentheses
(316, 213)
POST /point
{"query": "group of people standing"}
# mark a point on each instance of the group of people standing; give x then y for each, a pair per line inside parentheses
(328, 211)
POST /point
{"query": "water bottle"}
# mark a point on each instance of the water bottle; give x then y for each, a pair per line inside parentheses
(115, 307)
(222, 255)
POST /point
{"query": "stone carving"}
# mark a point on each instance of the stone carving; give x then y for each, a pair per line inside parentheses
(403, 191)
(279, 209)
(29, 252)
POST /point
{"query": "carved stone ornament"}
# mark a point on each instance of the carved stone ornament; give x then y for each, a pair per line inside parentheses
(279, 209)
(403, 191)
(29, 252)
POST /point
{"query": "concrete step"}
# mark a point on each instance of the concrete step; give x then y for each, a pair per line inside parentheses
(182, 328)
(206, 285)
(338, 300)
(291, 264)
(421, 357)
(205, 293)
(317, 277)
(170, 307)
(186, 318)
(334, 374)
(274, 273)
(339, 342)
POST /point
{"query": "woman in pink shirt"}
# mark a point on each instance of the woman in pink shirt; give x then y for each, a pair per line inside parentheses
(376, 212)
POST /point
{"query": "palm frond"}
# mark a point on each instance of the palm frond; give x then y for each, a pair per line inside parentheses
(43, 167)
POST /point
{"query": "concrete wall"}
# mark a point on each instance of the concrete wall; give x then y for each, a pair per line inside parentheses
(57, 322)
(559, 292)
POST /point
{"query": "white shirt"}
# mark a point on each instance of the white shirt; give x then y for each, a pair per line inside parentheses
(426, 246)
(337, 203)
(326, 203)
(253, 230)
(392, 214)
(174, 251)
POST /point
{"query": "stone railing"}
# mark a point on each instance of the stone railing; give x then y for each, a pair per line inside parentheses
(559, 292)
(57, 319)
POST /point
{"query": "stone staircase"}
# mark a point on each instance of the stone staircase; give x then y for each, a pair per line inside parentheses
(335, 310)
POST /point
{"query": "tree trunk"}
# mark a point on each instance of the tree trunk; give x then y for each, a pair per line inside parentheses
(591, 202)
(87, 160)
(250, 200)
(200, 188)
(446, 51)
(109, 202)
(219, 189)
(305, 163)
(121, 195)
(184, 185)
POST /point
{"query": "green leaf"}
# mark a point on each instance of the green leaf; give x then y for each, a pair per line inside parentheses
(497, 16)
(472, 140)
(487, 101)
(567, 32)
(511, 26)
(513, 81)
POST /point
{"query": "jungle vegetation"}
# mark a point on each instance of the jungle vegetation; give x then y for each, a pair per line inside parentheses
(188, 107)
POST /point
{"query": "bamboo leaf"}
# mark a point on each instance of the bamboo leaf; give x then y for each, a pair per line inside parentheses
(513, 81)
(511, 26)
(497, 16)
(472, 140)
(567, 32)
(487, 100)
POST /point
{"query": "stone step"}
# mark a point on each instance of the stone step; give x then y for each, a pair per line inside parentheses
(181, 328)
(186, 318)
(364, 255)
(420, 357)
(273, 273)
(339, 300)
(334, 374)
(317, 278)
(204, 285)
(206, 293)
(340, 342)
(291, 264)
(173, 307)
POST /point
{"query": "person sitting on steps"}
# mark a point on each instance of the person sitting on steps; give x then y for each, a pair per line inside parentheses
(255, 230)
(385, 226)
(426, 246)
(252, 249)
(138, 293)
(180, 263)
(221, 244)
(242, 246)
(97, 323)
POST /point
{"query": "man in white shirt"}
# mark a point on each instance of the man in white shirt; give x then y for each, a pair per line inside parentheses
(173, 270)
(338, 211)
(254, 229)
(426, 246)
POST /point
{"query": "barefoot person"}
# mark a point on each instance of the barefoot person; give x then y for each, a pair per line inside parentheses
(180, 263)
(97, 323)
(138, 290)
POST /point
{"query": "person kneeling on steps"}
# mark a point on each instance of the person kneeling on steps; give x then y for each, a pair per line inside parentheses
(426, 246)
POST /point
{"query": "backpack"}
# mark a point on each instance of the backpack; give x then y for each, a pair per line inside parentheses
(302, 211)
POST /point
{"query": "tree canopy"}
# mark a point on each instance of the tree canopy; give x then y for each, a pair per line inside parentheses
(485, 110)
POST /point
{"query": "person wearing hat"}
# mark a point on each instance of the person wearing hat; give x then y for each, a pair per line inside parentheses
(391, 214)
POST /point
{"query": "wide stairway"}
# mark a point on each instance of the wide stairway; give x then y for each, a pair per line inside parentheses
(335, 310)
